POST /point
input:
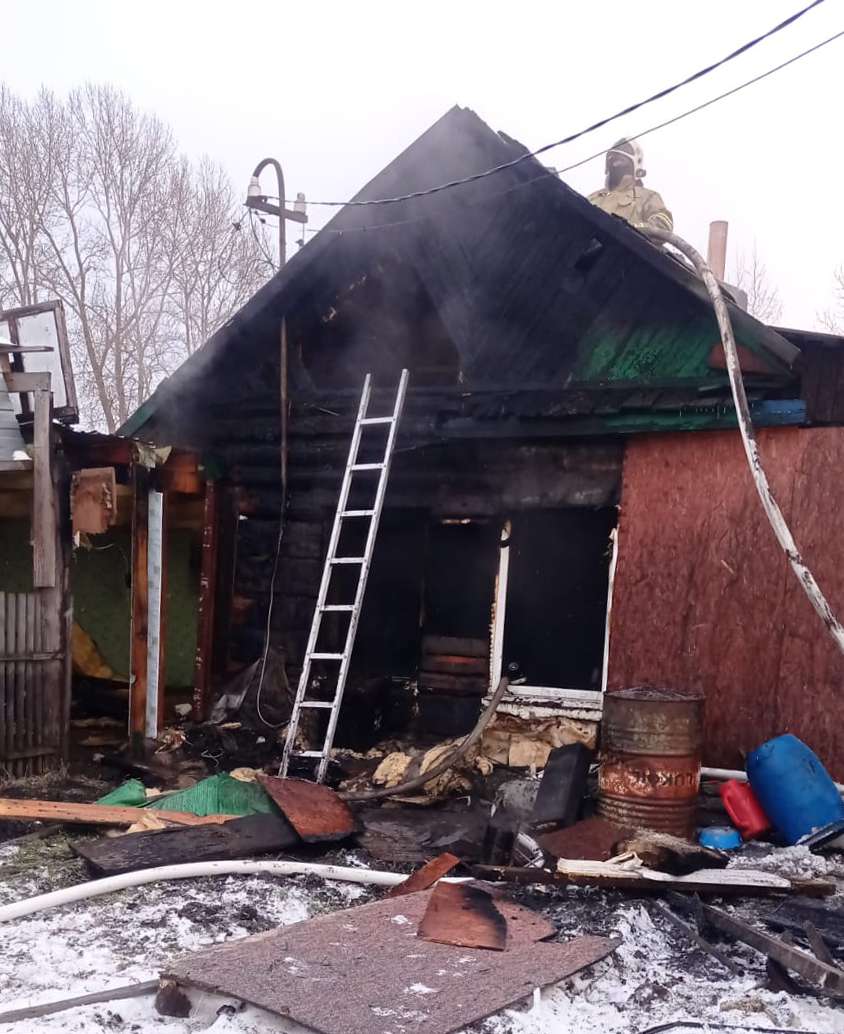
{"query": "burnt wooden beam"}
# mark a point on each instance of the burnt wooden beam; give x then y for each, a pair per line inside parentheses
(238, 838)
(829, 978)
(112, 994)
(44, 515)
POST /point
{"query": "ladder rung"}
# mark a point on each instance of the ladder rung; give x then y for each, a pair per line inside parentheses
(367, 466)
(358, 513)
(348, 560)
(370, 420)
(307, 754)
(316, 703)
(327, 656)
(339, 606)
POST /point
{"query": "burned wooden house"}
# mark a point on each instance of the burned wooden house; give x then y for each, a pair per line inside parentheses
(563, 371)
(88, 525)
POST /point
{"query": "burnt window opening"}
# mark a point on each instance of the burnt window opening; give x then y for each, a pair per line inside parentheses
(556, 602)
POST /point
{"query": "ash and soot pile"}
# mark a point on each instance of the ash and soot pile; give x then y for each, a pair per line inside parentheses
(653, 977)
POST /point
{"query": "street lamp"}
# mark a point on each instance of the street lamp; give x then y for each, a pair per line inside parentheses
(257, 200)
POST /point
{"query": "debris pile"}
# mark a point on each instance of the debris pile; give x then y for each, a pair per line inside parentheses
(455, 941)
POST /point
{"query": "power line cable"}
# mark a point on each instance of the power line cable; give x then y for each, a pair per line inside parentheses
(667, 91)
(683, 114)
(599, 154)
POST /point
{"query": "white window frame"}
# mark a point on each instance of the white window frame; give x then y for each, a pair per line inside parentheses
(579, 700)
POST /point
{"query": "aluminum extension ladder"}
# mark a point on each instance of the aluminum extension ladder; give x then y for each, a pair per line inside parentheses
(331, 561)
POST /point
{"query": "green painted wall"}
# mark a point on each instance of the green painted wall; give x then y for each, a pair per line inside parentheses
(15, 555)
(99, 581)
(101, 599)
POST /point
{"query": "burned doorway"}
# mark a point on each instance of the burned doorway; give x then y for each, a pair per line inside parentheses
(425, 620)
(554, 583)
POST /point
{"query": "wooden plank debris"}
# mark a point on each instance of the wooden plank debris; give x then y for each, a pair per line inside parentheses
(374, 974)
(44, 515)
(427, 875)
(315, 811)
(737, 884)
(672, 854)
(112, 994)
(692, 935)
(828, 979)
(819, 945)
(94, 814)
(239, 838)
(794, 915)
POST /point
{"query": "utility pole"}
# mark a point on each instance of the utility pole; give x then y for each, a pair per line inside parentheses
(261, 203)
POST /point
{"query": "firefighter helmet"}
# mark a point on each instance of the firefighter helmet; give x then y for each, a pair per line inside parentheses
(630, 149)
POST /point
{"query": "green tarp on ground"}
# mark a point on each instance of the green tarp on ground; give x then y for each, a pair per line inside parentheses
(217, 795)
(130, 794)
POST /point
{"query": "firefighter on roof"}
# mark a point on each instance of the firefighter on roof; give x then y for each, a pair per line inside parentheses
(624, 195)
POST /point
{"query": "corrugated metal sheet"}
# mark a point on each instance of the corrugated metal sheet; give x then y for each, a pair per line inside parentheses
(11, 440)
(704, 599)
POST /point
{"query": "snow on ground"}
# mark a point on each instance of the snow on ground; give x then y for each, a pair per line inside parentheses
(651, 980)
(654, 976)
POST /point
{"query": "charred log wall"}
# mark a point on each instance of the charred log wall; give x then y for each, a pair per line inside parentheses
(474, 477)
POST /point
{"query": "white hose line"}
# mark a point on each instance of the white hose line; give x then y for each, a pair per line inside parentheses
(741, 777)
(83, 891)
(769, 504)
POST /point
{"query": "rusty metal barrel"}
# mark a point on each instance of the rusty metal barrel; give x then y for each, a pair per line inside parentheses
(649, 773)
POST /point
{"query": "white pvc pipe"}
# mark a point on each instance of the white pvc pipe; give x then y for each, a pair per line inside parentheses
(731, 773)
(83, 891)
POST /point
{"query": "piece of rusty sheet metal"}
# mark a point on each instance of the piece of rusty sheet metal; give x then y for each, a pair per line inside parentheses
(593, 838)
(314, 811)
(464, 916)
(427, 875)
(364, 971)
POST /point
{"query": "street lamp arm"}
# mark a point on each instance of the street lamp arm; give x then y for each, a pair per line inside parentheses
(255, 199)
(261, 203)
(259, 168)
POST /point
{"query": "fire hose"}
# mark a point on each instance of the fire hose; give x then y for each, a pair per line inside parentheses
(751, 450)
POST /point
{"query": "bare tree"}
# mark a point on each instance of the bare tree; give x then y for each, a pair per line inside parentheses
(25, 178)
(98, 208)
(218, 264)
(751, 275)
(832, 319)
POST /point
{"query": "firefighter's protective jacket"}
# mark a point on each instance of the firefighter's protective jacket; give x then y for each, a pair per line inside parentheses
(638, 205)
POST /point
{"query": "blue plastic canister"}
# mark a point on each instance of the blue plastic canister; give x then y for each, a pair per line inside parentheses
(795, 790)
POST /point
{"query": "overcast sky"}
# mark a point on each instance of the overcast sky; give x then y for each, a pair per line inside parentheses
(335, 90)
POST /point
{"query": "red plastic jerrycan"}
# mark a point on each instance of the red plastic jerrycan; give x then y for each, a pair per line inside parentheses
(744, 809)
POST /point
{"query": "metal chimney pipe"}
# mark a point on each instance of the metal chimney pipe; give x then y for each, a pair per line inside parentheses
(716, 255)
